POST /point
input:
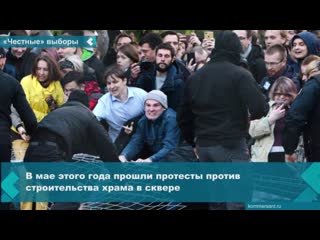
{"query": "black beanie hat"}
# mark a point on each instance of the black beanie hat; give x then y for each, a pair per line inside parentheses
(79, 96)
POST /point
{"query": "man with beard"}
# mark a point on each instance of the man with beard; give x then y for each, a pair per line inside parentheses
(172, 38)
(165, 77)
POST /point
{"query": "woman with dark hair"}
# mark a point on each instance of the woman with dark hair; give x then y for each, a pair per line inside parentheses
(268, 130)
(44, 93)
(119, 40)
(127, 55)
(43, 89)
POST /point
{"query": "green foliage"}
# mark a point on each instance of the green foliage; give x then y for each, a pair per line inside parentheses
(139, 33)
(56, 32)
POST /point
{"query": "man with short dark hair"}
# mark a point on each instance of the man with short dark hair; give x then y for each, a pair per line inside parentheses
(164, 77)
(172, 38)
(276, 64)
(77, 81)
(68, 130)
(252, 53)
(5, 67)
(20, 58)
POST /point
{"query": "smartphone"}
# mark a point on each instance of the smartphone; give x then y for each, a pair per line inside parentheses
(279, 103)
(188, 36)
(208, 35)
(146, 66)
(285, 106)
(190, 55)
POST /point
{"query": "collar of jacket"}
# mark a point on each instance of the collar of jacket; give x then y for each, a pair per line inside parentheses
(159, 120)
(168, 84)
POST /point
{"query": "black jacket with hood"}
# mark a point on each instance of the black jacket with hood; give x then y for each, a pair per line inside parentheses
(219, 97)
(313, 46)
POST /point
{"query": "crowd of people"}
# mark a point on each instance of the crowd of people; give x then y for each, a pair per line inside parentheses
(224, 96)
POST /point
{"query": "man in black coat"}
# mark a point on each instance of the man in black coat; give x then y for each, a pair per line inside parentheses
(11, 92)
(253, 54)
(304, 117)
(68, 130)
(218, 101)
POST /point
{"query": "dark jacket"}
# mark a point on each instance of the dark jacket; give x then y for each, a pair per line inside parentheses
(219, 96)
(304, 116)
(123, 139)
(312, 43)
(11, 92)
(256, 63)
(80, 130)
(289, 72)
(182, 71)
(98, 67)
(173, 86)
(9, 69)
(183, 153)
(23, 65)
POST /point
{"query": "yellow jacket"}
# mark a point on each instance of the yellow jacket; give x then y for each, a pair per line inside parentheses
(36, 95)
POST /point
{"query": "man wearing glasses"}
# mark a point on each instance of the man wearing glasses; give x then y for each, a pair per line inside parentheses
(252, 53)
(276, 64)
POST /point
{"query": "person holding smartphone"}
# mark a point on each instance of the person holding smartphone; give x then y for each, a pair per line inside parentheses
(208, 41)
(268, 131)
(197, 58)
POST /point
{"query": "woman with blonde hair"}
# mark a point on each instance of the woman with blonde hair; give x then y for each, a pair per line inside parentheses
(310, 63)
(71, 63)
(313, 68)
(268, 130)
